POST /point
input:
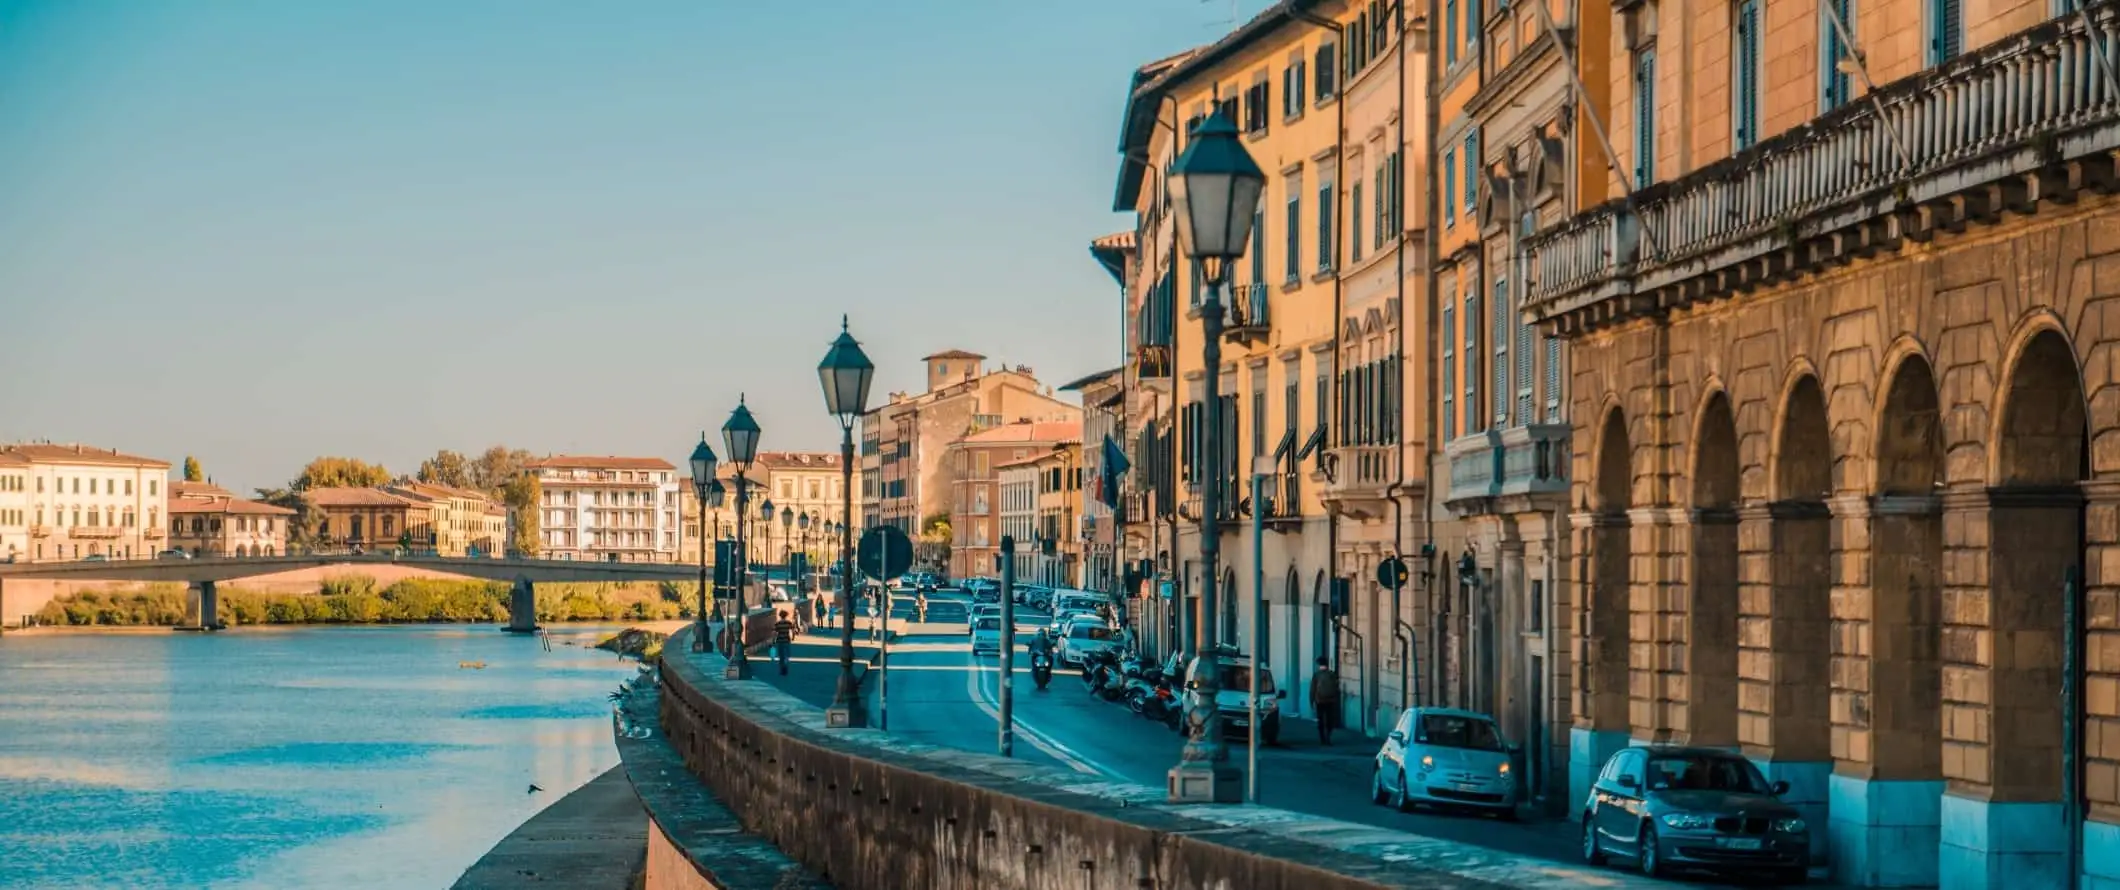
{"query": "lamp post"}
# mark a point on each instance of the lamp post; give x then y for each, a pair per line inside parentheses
(802, 523)
(740, 437)
(846, 373)
(707, 488)
(1214, 190)
(787, 542)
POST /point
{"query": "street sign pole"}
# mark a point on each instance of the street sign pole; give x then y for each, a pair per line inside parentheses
(1008, 645)
(885, 553)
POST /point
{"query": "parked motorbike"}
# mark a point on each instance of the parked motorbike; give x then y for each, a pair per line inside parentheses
(1041, 669)
(1093, 667)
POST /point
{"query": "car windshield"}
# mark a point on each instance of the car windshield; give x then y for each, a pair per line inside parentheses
(1704, 772)
(1078, 603)
(1090, 632)
(1457, 731)
(1237, 678)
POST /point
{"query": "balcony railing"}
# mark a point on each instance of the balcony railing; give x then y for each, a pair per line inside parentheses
(1249, 313)
(1524, 461)
(1152, 362)
(2030, 117)
(40, 531)
(95, 531)
(1361, 477)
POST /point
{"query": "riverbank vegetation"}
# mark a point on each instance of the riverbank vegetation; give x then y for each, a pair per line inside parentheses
(356, 599)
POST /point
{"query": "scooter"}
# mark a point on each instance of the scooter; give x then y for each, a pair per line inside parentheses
(1041, 669)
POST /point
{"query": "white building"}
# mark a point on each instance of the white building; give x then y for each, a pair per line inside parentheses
(617, 509)
(60, 502)
(1019, 512)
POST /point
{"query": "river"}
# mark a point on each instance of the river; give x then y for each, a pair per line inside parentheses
(287, 757)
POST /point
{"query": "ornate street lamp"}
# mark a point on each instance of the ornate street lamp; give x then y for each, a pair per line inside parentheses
(704, 463)
(787, 541)
(802, 523)
(1214, 191)
(765, 521)
(846, 373)
(740, 437)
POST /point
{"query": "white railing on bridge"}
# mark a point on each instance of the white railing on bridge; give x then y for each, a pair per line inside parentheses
(2039, 87)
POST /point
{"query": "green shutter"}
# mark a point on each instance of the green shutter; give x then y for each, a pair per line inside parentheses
(1645, 118)
(1747, 79)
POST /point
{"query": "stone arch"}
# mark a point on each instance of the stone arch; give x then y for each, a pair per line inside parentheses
(2035, 541)
(1712, 604)
(1606, 692)
(1897, 717)
(1787, 654)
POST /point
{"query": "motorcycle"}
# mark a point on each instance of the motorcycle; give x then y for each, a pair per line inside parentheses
(1117, 676)
(1093, 668)
(1041, 669)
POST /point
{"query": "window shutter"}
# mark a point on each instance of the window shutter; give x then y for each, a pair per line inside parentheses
(1449, 187)
(1472, 352)
(1472, 164)
(1553, 380)
(1524, 405)
(1449, 338)
(1258, 251)
(1645, 118)
(1288, 92)
(1945, 30)
(1325, 221)
(1292, 240)
(1382, 190)
(1747, 79)
(1832, 81)
(1499, 335)
(1354, 219)
(1297, 92)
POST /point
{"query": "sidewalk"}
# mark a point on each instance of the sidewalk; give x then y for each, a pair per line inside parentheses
(593, 839)
(813, 664)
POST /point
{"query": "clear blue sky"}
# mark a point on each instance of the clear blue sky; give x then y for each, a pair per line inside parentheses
(261, 230)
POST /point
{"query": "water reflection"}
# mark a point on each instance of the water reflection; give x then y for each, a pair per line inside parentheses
(339, 757)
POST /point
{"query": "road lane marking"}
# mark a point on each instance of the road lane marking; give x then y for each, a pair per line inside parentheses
(1038, 739)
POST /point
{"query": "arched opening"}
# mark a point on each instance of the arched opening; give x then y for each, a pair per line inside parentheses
(1797, 649)
(1321, 635)
(1610, 555)
(1292, 600)
(1711, 608)
(1900, 711)
(2035, 532)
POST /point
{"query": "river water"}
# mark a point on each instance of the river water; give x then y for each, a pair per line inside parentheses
(303, 757)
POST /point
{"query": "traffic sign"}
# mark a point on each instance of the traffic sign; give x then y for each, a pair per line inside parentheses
(885, 553)
(1392, 573)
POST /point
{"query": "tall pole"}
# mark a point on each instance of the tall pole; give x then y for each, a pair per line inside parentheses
(1258, 639)
(848, 692)
(1008, 645)
(699, 639)
(1203, 772)
(740, 660)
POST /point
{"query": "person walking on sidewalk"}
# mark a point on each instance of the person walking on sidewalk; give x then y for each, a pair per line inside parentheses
(1325, 699)
(783, 640)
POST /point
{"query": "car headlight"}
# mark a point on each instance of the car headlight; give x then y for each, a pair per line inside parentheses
(1504, 769)
(1688, 821)
(1789, 826)
(1427, 762)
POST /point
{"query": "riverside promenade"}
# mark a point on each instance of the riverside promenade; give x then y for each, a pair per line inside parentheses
(595, 838)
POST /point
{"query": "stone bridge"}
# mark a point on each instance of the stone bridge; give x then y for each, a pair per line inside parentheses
(201, 575)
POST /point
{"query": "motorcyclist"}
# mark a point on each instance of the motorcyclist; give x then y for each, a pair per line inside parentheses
(1042, 644)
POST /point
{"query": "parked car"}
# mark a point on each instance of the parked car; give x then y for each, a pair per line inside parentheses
(1083, 637)
(1234, 698)
(978, 611)
(1445, 757)
(1061, 619)
(1078, 600)
(986, 635)
(1673, 808)
(95, 557)
(173, 554)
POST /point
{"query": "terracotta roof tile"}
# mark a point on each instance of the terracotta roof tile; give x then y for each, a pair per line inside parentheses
(198, 490)
(798, 460)
(217, 505)
(598, 462)
(1038, 431)
(79, 454)
(355, 497)
(953, 354)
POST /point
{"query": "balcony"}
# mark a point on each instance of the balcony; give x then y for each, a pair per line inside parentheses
(1249, 318)
(2029, 119)
(1515, 470)
(95, 531)
(154, 534)
(40, 531)
(1152, 362)
(1358, 479)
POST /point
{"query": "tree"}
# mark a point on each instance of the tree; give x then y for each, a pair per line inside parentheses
(302, 526)
(491, 470)
(521, 495)
(192, 472)
(337, 472)
(933, 548)
(445, 468)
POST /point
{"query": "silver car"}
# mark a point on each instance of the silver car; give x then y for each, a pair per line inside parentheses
(1701, 809)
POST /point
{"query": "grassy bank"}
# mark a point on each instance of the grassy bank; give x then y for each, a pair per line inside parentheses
(356, 599)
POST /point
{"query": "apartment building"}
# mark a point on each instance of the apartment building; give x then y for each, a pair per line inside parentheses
(1018, 483)
(1282, 77)
(906, 480)
(1103, 395)
(460, 522)
(608, 508)
(61, 502)
(208, 520)
(369, 518)
(1057, 536)
(975, 519)
(1835, 369)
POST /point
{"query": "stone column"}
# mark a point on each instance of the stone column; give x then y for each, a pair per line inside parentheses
(1782, 636)
(1656, 623)
(209, 605)
(2101, 693)
(522, 607)
(1598, 645)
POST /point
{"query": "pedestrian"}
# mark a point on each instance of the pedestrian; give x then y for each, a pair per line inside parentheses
(822, 617)
(783, 639)
(1325, 699)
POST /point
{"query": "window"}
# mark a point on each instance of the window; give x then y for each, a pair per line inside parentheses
(1472, 351)
(1946, 26)
(128, 486)
(1450, 33)
(1553, 380)
(1258, 415)
(1258, 250)
(1499, 336)
(1324, 400)
(1523, 358)
(1325, 223)
(1450, 187)
(1472, 166)
(1832, 81)
(1382, 199)
(1328, 69)
(1293, 89)
(1354, 219)
(1645, 117)
(1255, 105)
(1292, 262)
(1744, 81)
(1449, 371)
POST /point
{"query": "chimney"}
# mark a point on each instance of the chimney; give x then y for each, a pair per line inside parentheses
(77, 448)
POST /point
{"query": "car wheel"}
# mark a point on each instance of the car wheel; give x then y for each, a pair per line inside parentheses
(1793, 877)
(1399, 799)
(1506, 814)
(1652, 859)
(1593, 852)
(1377, 794)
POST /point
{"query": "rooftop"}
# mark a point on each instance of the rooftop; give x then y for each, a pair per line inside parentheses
(798, 460)
(355, 497)
(75, 453)
(953, 354)
(198, 490)
(1048, 431)
(227, 505)
(597, 462)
